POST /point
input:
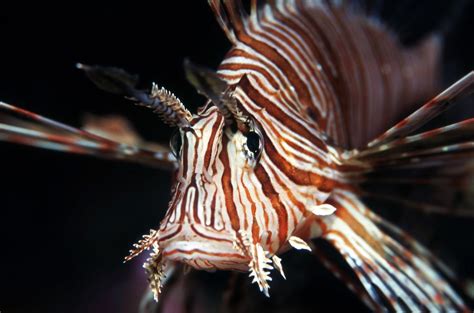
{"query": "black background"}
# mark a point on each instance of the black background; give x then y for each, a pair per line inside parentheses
(66, 221)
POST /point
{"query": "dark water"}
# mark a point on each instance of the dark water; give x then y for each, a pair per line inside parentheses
(67, 221)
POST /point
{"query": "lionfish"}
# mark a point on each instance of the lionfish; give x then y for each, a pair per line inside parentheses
(303, 111)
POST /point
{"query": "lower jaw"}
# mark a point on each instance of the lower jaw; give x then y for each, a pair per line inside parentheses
(205, 256)
(213, 265)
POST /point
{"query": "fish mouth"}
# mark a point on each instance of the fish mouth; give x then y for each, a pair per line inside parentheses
(205, 255)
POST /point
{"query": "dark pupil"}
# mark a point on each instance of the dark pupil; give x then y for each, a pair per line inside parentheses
(253, 142)
(175, 144)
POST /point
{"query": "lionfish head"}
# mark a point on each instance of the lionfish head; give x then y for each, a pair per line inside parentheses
(204, 226)
(231, 208)
(226, 210)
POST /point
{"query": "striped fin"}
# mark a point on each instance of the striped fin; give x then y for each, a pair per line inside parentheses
(353, 284)
(439, 104)
(451, 134)
(442, 153)
(449, 186)
(448, 179)
(436, 162)
(395, 272)
(328, 64)
(24, 127)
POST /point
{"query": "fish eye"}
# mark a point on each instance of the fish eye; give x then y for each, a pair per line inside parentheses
(254, 143)
(176, 143)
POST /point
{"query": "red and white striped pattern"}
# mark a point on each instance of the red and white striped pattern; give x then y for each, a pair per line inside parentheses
(316, 80)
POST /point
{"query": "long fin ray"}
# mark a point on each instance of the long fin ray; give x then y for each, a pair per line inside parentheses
(439, 104)
(42, 132)
(404, 276)
(439, 137)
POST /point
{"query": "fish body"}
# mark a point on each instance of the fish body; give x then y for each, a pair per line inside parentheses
(304, 109)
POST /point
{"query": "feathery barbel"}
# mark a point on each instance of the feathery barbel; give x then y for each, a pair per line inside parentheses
(169, 107)
(163, 102)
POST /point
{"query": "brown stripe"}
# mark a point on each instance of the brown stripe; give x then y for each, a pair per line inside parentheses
(228, 189)
(356, 225)
(169, 236)
(215, 132)
(279, 61)
(200, 234)
(213, 210)
(246, 86)
(272, 195)
(291, 51)
(263, 69)
(298, 176)
(253, 209)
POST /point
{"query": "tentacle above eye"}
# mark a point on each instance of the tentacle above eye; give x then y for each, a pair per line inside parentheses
(171, 110)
